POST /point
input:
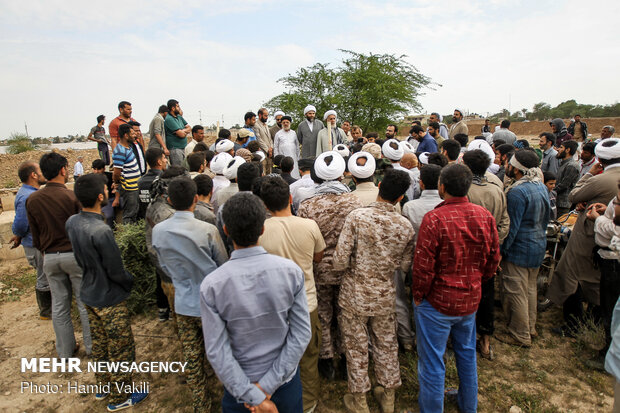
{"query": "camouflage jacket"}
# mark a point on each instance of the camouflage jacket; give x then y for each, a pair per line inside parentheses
(329, 212)
(374, 242)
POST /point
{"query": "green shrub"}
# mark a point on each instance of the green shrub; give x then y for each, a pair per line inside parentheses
(132, 243)
(19, 143)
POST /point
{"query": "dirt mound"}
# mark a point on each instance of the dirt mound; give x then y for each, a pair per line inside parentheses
(536, 127)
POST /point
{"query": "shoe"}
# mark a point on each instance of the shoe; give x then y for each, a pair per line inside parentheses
(312, 409)
(406, 347)
(44, 301)
(326, 369)
(508, 338)
(101, 396)
(356, 403)
(76, 349)
(563, 331)
(451, 394)
(490, 355)
(163, 314)
(342, 368)
(385, 398)
(131, 401)
(543, 305)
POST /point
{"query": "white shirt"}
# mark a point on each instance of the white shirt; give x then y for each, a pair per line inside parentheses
(605, 230)
(310, 124)
(416, 209)
(78, 169)
(305, 182)
(189, 148)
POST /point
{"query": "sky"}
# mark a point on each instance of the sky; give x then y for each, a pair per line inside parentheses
(66, 62)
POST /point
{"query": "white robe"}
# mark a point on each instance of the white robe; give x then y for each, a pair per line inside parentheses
(286, 143)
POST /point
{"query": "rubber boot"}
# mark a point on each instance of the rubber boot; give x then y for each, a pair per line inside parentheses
(326, 368)
(356, 403)
(385, 398)
(44, 300)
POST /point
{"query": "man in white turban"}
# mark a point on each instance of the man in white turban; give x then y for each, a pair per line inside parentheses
(458, 125)
(331, 135)
(308, 131)
(225, 146)
(218, 164)
(230, 173)
(342, 150)
(362, 166)
(277, 116)
(394, 150)
(286, 143)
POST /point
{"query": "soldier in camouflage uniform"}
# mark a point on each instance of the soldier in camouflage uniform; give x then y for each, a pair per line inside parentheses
(367, 295)
(329, 209)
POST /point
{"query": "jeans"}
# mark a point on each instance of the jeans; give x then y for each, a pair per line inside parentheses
(432, 330)
(35, 259)
(104, 152)
(176, 157)
(65, 278)
(130, 205)
(287, 399)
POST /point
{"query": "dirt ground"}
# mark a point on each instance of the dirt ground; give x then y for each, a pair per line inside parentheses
(549, 377)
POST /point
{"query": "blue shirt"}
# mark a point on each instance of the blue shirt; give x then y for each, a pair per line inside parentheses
(529, 209)
(255, 321)
(20, 222)
(188, 249)
(428, 144)
(251, 138)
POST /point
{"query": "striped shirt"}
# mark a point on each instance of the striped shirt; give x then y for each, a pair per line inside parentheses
(125, 160)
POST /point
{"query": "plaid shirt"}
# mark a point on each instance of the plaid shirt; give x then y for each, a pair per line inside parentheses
(457, 249)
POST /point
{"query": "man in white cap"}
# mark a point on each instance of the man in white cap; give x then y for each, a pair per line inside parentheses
(362, 167)
(576, 278)
(218, 164)
(329, 207)
(226, 146)
(230, 173)
(331, 135)
(394, 151)
(308, 131)
(286, 143)
(263, 136)
(275, 128)
(458, 125)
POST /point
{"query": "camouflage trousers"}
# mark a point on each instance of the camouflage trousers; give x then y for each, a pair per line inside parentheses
(331, 340)
(110, 330)
(192, 343)
(356, 329)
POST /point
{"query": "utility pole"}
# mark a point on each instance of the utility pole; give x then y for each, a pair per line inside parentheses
(26, 126)
(200, 117)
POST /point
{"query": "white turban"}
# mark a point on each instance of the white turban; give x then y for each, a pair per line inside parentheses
(484, 146)
(342, 150)
(230, 171)
(219, 162)
(406, 147)
(329, 112)
(330, 172)
(365, 171)
(459, 110)
(278, 113)
(261, 154)
(393, 154)
(224, 145)
(308, 109)
(608, 149)
(424, 157)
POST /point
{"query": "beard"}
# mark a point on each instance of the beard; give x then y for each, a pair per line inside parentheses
(455, 119)
(104, 202)
(310, 118)
(510, 172)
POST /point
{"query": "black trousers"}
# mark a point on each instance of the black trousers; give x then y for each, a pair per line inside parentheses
(484, 316)
(609, 292)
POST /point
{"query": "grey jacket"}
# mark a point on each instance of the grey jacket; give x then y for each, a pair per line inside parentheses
(308, 138)
(568, 175)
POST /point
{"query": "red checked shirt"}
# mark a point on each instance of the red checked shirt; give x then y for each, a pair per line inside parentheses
(457, 249)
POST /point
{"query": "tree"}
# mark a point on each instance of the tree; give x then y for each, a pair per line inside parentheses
(368, 90)
(18, 143)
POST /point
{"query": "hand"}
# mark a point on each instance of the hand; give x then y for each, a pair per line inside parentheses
(166, 152)
(116, 203)
(270, 154)
(592, 214)
(600, 208)
(16, 241)
(267, 406)
(581, 206)
(596, 169)
(417, 302)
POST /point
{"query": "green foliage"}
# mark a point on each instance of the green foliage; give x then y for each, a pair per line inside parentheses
(369, 90)
(132, 242)
(18, 143)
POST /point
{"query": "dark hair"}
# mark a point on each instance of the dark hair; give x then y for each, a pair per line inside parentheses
(244, 216)
(525, 144)
(153, 155)
(417, 129)
(456, 179)
(477, 160)
(51, 163)
(434, 125)
(163, 109)
(374, 135)
(133, 123)
(275, 193)
(122, 104)
(256, 184)
(248, 115)
(253, 146)
(588, 147)
(172, 172)
(123, 130)
(380, 142)
(394, 126)
(100, 118)
(437, 159)
(417, 122)
(498, 142)
(196, 128)
(181, 192)
(88, 187)
(461, 138)
(549, 136)
(25, 169)
(209, 155)
(505, 124)
(287, 164)
(505, 149)
(277, 160)
(577, 114)
(98, 164)
(246, 174)
(452, 148)
(429, 175)
(357, 147)
(549, 176)
(171, 104)
(195, 160)
(204, 184)
(223, 133)
(201, 147)
(261, 110)
(394, 184)
(528, 159)
(571, 145)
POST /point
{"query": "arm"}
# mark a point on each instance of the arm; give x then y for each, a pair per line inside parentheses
(405, 262)
(297, 340)
(516, 207)
(503, 226)
(494, 256)
(218, 250)
(346, 243)
(569, 179)
(553, 165)
(34, 227)
(583, 192)
(20, 224)
(319, 143)
(111, 258)
(263, 141)
(300, 135)
(318, 256)
(276, 144)
(423, 271)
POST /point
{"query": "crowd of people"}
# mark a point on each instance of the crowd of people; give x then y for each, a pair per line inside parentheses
(288, 255)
